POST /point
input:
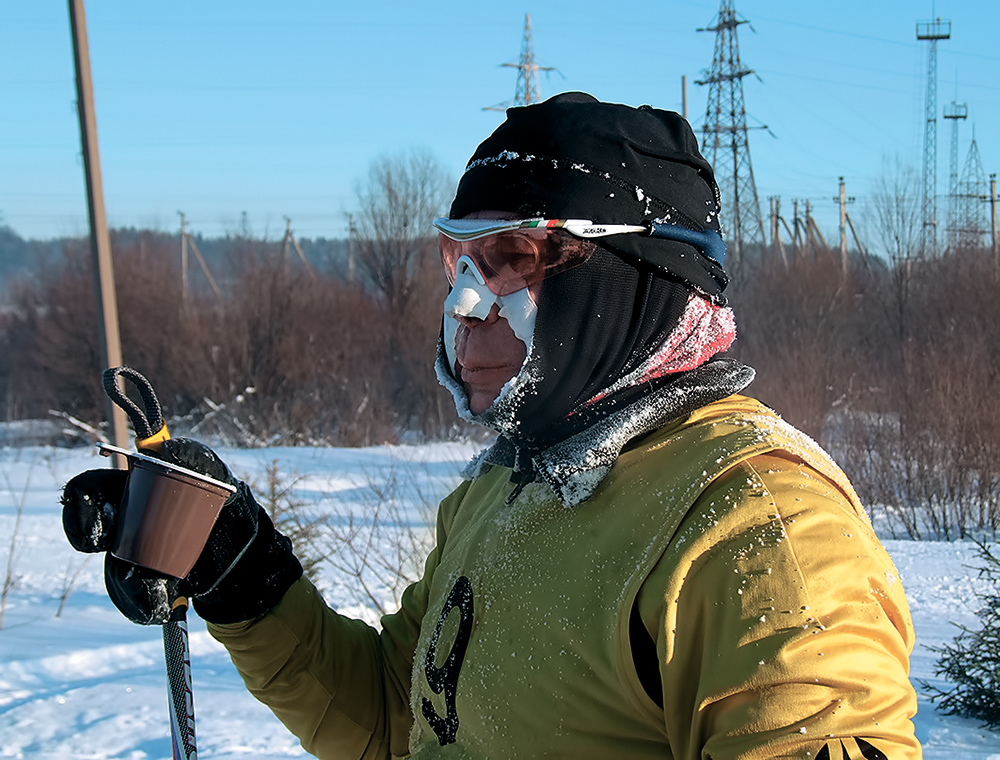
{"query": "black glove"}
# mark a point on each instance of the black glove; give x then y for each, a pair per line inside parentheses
(243, 571)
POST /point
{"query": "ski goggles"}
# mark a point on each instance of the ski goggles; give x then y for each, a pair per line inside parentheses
(517, 253)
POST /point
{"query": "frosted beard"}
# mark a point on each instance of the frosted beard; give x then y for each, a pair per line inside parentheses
(471, 298)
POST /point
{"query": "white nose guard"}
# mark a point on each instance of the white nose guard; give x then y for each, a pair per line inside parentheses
(469, 296)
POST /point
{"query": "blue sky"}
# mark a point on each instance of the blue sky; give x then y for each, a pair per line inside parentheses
(276, 109)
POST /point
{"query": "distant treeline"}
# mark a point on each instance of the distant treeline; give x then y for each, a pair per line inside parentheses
(27, 258)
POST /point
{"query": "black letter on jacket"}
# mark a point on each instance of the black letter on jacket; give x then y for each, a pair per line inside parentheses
(445, 678)
(868, 752)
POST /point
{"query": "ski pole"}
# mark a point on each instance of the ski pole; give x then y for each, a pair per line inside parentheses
(151, 431)
(177, 654)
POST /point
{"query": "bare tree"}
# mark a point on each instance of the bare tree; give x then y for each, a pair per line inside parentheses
(397, 251)
(897, 216)
(403, 193)
(895, 210)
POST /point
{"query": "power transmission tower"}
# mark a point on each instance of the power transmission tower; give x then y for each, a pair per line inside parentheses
(931, 32)
(725, 142)
(955, 112)
(971, 190)
(526, 90)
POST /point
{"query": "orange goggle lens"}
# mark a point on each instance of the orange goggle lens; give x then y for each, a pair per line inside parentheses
(512, 261)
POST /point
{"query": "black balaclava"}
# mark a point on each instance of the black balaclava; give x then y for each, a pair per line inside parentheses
(575, 157)
(595, 324)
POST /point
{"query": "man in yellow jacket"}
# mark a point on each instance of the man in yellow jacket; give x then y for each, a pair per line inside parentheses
(644, 564)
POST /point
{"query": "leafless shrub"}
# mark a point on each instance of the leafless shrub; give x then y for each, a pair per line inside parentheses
(942, 456)
(10, 578)
(52, 360)
(314, 352)
(292, 517)
(290, 358)
(891, 367)
(380, 553)
(70, 577)
(810, 330)
(373, 546)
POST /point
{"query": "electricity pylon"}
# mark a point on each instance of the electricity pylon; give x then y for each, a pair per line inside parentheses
(971, 191)
(526, 90)
(725, 142)
(955, 112)
(931, 32)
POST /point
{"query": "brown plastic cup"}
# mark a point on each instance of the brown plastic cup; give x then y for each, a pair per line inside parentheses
(166, 514)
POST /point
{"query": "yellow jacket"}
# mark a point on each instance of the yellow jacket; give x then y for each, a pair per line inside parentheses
(720, 595)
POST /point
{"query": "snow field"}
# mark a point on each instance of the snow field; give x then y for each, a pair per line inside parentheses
(89, 684)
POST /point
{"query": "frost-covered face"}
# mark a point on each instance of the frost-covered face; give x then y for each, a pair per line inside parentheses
(486, 337)
(485, 354)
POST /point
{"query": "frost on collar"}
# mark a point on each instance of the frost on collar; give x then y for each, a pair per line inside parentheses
(574, 468)
(502, 413)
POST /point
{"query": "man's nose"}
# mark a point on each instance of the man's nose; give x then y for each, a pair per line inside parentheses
(492, 316)
(470, 298)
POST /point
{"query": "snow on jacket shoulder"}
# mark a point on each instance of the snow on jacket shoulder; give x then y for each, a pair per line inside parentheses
(721, 594)
(780, 622)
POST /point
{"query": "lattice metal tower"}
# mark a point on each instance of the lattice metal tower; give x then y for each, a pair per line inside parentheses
(725, 142)
(972, 189)
(526, 90)
(931, 32)
(955, 112)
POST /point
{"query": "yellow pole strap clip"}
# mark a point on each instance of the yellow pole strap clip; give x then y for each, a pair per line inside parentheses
(153, 442)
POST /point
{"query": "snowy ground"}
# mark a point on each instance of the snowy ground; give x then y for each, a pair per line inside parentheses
(88, 684)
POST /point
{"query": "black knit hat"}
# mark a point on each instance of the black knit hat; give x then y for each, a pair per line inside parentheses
(575, 157)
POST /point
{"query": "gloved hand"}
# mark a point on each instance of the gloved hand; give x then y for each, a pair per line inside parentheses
(243, 571)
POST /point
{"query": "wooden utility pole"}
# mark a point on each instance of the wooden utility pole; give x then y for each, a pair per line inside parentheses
(188, 244)
(290, 240)
(810, 244)
(350, 247)
(777, 247)
(100, 242)
(993, 218)
(843, 200)
(184, 258)
(812, 232)
(797, 237)
(286, 252)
